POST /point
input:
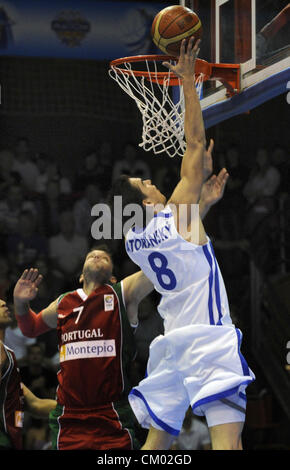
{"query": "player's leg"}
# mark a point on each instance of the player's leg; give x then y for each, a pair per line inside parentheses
(225, 419)
(226, 436)
(158, 440)
(160, 400)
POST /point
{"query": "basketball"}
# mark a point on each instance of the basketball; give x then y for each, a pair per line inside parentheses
(171, 25)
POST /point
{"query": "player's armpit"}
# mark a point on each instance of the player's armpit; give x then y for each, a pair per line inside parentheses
(132, 314)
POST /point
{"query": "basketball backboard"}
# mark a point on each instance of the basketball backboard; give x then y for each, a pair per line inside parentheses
(252, 33)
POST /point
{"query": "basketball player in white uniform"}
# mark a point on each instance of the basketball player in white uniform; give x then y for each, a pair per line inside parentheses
(198, 360)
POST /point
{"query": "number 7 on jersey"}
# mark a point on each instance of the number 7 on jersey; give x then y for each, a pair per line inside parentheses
(80, 310)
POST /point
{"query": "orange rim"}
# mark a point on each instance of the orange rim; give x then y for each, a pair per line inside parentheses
(201, 67)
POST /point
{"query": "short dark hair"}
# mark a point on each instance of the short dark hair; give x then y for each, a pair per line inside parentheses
(130, 195)
(122, 187)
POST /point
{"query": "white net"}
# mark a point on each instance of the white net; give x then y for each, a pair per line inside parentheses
(161, 106)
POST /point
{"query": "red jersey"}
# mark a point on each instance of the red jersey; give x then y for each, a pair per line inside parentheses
(12, 404)
(96, 348)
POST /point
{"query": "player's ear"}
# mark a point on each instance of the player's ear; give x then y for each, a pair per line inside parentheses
(147, 202)
(81, 279)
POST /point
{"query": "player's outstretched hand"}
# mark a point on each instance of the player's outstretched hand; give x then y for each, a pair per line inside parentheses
(26, 287)
(185, 67)
(213, 190)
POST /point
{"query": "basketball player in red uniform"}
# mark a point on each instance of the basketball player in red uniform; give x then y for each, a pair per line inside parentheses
(96, 349)
(15, 397)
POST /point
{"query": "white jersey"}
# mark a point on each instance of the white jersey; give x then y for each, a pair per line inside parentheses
(186, 275)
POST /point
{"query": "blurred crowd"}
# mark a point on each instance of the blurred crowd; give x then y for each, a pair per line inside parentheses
(45, 223)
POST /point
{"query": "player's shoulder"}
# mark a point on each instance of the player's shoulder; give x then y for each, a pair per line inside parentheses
(114, 287)
(69, 295)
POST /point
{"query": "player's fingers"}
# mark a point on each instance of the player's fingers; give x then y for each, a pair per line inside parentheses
(212, 179)
(29, 274)
(221, 176)
(190, 45)
(224, 177)
(222, 172)
(195, 53)
(182, 48)
(34, 275)
(196, 47)
(168, 65)
(24, 274)
(193, 48)
(211, 145)
(38, 280)
(197, 44)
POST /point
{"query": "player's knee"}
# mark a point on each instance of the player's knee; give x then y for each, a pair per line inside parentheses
(155, 445)
(151, 446)
(227, 444)
(157, 440)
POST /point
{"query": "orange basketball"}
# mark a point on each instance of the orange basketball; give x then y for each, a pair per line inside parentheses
(171, 25)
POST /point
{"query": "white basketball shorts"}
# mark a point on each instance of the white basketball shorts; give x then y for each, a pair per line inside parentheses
(197, 365)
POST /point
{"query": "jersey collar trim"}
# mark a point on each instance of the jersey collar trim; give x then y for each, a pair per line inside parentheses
(82, 294)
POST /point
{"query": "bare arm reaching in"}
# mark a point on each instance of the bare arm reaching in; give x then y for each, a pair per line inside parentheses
(37, 407)
(189, 187)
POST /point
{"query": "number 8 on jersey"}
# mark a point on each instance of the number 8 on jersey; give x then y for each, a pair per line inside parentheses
(162, 271)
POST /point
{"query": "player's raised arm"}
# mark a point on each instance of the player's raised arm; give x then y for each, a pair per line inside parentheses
(189, 187)
(30, 323)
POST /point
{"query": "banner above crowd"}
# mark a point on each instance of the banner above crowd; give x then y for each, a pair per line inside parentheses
(81, 29)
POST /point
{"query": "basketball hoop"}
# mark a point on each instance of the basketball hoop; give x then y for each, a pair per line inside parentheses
(162, 112)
